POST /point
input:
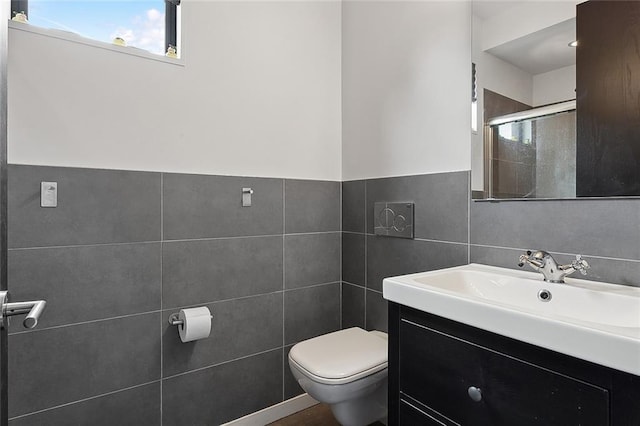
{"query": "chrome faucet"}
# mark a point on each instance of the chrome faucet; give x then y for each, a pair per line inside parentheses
(544, 263)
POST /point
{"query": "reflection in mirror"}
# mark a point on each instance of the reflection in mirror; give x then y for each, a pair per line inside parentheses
(531, 154)
(523, 59)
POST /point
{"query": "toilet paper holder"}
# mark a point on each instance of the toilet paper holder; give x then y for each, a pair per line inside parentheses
(175, 320)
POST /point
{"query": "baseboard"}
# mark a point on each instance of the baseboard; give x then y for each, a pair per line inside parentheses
(275, 412)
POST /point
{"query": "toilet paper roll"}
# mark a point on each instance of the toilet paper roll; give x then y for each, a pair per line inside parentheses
(196, 323)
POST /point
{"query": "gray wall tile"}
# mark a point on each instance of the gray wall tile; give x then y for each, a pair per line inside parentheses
(388, 257)
(225, 392)
(205, 271)
(87, 283)
(311, 259)
(377, 314)
(100, 209)
(608, 228)
(610, 270)
(353, 206)
(311, 311)
(504, 258)
(198, 206)
(239, 328)
(312, 206)
(441, 203)
(291, 386)
(353, 258)
(94, 206)
(61, 365)
(613, 271)
(353, 306)
(139, 406)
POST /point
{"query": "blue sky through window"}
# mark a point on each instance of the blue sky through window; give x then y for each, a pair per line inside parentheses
(140, 23)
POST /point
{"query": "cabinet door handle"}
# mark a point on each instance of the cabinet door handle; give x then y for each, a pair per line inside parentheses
(475, 393)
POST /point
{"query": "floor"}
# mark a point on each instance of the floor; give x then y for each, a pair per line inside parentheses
(318, 415)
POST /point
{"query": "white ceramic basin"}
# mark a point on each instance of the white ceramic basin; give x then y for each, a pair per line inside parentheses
(590, 320)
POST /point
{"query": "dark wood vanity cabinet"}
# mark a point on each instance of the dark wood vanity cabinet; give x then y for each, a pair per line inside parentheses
(446, 373)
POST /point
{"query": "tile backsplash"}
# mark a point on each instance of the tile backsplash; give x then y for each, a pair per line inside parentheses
(441, 238)
(452, 230)
(123, 250)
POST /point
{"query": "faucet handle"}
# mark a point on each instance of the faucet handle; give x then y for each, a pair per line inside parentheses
(580, 264)
(523, 258)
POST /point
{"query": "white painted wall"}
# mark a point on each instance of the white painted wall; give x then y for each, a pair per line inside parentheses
(406, 88)
(259, 95)
(554, 86)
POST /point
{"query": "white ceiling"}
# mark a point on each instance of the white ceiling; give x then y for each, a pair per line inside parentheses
(542, 51)
(539, 52)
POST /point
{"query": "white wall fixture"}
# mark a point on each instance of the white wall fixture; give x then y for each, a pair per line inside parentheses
(246, 197)
(589, 320)
(48, 194)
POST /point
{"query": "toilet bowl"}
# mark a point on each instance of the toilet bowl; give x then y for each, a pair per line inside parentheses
(346, 369)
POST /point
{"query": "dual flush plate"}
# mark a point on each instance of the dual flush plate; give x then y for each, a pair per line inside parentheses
(393, 219)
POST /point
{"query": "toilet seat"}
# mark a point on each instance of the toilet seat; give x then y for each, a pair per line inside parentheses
(342, 356)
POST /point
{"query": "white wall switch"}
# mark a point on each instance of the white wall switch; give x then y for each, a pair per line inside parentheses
(246, 197)
(48, 194)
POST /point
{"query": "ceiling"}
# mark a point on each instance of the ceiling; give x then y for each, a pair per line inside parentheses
(539, 52)
(542, 51)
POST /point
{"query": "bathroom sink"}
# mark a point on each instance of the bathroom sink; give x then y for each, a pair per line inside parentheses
(594, 321)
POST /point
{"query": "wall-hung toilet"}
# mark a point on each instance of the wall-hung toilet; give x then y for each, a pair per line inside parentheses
(346, 369)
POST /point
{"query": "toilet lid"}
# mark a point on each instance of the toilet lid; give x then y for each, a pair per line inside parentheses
(341, 356)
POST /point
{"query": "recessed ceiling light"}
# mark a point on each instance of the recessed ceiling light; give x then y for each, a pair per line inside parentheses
(573, 43)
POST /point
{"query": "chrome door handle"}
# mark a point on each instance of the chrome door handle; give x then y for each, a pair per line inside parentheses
(33, 310)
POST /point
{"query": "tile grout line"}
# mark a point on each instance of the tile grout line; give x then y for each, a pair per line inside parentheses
(364, 288)
(366, 255)
(622, 259)
(284, 224)
(239, 237)
(126, 243)
(182, 240)
(310, 286)
(168, 308)
(559, 252)
(355, 285)
(195, 370)
(341, 253)
(426, 240)
(85, 322)
(151, 382)
(55, 407)
(161, 293)
(214, 302)
(469, 193)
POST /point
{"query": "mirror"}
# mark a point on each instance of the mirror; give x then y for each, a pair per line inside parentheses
(524, 72)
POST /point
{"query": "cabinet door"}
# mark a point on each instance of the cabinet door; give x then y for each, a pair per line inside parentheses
(607, 92)
(438, 370)
(410, 415)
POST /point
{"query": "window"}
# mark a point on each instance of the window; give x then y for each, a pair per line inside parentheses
(474, 99)
(146, 24)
